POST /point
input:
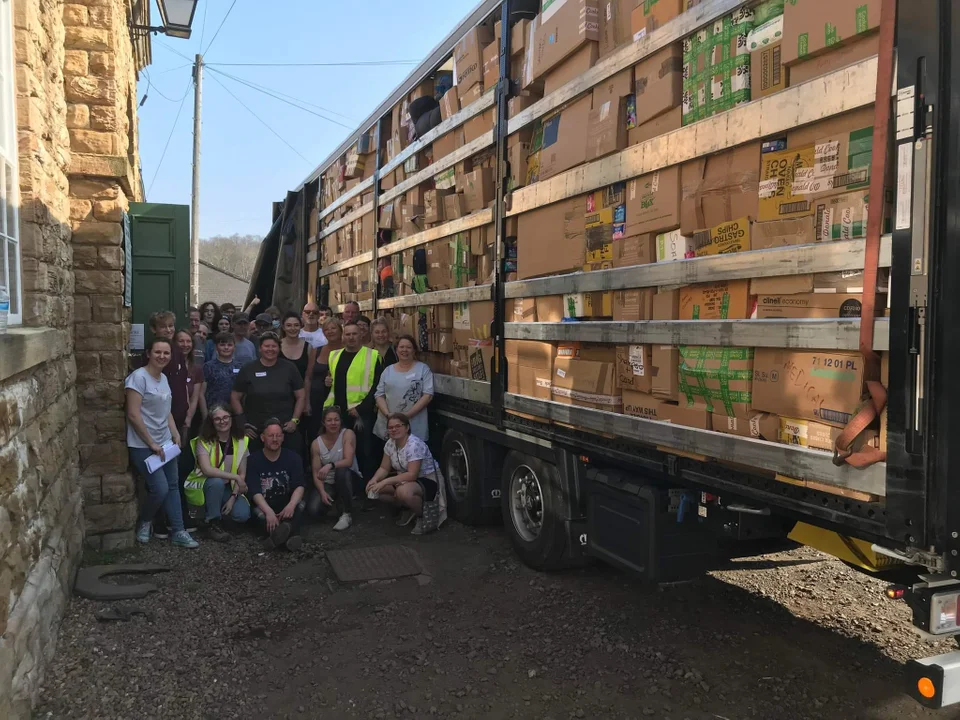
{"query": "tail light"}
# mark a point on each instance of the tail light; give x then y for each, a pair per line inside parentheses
(944, 613)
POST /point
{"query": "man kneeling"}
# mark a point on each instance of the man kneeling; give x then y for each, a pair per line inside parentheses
(275, 483)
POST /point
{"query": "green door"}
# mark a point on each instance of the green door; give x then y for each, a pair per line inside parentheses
(160, 243)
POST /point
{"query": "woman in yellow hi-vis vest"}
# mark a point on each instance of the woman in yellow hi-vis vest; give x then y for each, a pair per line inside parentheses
(221, 451)
(354, 374)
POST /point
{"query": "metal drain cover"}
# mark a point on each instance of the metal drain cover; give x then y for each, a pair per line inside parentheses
(374, 563)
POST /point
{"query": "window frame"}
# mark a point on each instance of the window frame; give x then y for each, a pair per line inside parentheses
(9, 157)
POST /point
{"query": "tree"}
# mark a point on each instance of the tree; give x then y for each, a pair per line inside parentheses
(236, 254)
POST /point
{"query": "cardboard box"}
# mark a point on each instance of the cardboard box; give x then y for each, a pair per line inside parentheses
(615, 29)
(724, 300)
(756, 425)
(479, 125)
(810, 385)
(607, 129)
(573, 67)
(686, 416)
(716, 74)
(633, 305)
(613, 88)
(412, 218)
(653, 202)
(651, 15)
(776, 234)
(521, 310)
(549, 308)
(634, 368)
(809, 305)
(468, 58)
(391, 215)
(587, 305)
(518, 104)
(842, 216)
(813, 26)
(518, 148)
(719, 188)
(491, 64)
(843, 150)
(454, 206)
(551, 240)
(471, 95)
(586, 383)
(564, 138)
(729, 237)
(666, 305)
(836, 59)
(433, 205)
(808, 434)
(658, 82)
(785, 183)
(560, 31)
(594, 352)
(529, 367)
(767, 73)
(479, 190)
(444, 145)
(641, 405)
(672, 246)
(718, 379)
(635, 250)
(660, 125)
(665, 383)
(449, 104)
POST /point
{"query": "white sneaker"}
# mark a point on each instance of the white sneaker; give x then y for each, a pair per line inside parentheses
(344, 522)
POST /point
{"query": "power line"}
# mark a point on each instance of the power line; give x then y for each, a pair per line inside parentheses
(358, 63)
(154, 88)
(203, 30)
(219, 28)
(174, 69)
(169, 138)
(262, 121)
(173, 50)
(277, 97)
(290, 97)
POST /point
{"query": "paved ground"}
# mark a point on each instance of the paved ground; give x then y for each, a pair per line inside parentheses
(234, 633)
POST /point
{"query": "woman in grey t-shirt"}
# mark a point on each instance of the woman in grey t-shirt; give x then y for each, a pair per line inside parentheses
(405, 387)
(150, 429)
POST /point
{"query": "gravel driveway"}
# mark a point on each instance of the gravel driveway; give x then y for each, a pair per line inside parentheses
(235, 633)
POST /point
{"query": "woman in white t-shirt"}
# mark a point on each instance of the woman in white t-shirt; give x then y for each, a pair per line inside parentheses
(151, 428)
(410, 478)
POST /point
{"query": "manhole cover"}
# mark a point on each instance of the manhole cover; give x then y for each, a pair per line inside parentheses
(374, 563)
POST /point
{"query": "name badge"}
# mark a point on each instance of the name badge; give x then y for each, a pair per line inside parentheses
(236, 370)
(261, 374)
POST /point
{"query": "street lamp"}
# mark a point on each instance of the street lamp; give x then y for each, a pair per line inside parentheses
(176, 15)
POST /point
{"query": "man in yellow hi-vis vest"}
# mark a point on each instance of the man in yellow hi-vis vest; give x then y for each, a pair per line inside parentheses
(354, 374)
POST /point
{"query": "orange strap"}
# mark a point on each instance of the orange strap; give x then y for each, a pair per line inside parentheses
(862, 421)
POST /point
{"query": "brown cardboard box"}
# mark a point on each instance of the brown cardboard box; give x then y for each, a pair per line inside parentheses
(518, 148)
(568, 27)
(614, 88)
(391, 215)
(718, 379)
(444, 145)
(665, 383)
(810, 385)
(843, 149)
(521, 310)
(719, 188)
(573, 67)
(785, 185)
(433, 205)
(518, 35)
(615, 31)
(449, 104)
(652, 15)
(808, 434)
(641, 405)
(520, 103)
(529, 367)
(756, 425)
(839, 57)
(479, 189)
(551, 239)
(666, 305)
(607, 129)
(412, 218)
(658, 81)
(660, 125)
(672, 246)
(724, 300)
(634, 368)
(782, 233)
(454, 206)
(588, 305)
(479, 125)
(594, 352)
(728, 237)
(633, 305)
(634, 250)
(767, 73)
(653, 202)
(564, 138)
(549, 308)
(468, 58)
(841, 216)
(809, 305)
(814, 26)
(688, 417)
(586, 384)
(470, 96)
(491, 64)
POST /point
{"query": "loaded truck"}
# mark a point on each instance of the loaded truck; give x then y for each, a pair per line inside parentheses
(682, 271)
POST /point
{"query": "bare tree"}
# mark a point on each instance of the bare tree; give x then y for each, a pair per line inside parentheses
(237, 254)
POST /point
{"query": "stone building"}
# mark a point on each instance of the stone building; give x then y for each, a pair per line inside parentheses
(70, 168)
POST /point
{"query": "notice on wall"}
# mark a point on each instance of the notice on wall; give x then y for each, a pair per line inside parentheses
(137, 337)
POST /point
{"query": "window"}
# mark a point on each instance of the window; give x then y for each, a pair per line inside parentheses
(9, 186)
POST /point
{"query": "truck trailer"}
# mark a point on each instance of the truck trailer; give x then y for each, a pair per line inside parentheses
(682, 271)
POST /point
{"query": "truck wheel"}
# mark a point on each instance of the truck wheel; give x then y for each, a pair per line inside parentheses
(462, 473)
(530, 511)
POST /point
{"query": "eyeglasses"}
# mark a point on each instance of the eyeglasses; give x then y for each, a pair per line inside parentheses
(222, 419)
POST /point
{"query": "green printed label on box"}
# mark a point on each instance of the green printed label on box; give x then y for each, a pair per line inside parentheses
(830, 36)
(803, 44)
(861, 23)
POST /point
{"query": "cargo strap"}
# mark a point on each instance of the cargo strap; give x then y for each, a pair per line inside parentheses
(843, 452)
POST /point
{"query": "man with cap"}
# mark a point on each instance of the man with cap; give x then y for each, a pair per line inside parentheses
(262, 323)
(245, 351)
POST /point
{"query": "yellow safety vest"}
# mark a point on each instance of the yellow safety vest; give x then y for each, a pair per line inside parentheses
(359, 376)
(193, 485)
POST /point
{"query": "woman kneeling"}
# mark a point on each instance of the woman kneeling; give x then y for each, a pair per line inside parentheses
(410, 478)
(333, 457)
(221, 451)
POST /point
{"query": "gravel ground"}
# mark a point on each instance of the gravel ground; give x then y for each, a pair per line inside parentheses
(235, 633)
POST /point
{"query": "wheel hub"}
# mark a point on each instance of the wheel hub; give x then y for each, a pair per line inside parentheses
(526, 500)
(458, 471)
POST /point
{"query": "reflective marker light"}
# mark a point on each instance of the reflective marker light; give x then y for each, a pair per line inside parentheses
(895, 592)
(926, 687)
(943, 613)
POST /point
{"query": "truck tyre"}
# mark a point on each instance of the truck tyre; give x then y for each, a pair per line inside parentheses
(459, 463)
(531, 509)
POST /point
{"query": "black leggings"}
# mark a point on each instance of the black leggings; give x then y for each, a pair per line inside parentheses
(341, 490)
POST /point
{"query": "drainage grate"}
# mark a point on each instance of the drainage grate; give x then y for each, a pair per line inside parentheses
(374, 563)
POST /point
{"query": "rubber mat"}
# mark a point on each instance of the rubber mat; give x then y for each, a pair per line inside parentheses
(374, 563)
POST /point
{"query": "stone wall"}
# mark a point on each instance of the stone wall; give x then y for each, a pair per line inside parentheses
(61, 375)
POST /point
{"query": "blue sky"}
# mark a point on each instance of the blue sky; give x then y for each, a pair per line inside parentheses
(245, 167)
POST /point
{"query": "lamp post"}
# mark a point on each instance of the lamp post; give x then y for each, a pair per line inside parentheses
(176, 15)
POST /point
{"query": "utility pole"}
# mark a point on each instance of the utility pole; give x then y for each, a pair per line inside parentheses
(195, 199)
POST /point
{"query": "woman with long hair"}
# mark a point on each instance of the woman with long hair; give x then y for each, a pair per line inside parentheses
(380, 336)
(210, 315)
(333, 458)
(221, 450)
(184, 341)
(405, 387)
(151, 431)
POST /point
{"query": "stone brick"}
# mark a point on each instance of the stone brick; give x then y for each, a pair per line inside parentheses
(92, 494)
(76, 63)
(89, 282)
(117, 540)
(99, 336)
(113, 366)
(110, 210)
(111, 258)
(98, 233)
(119, 488)
(88, 365)
(75, 15)
(105, 117)
(110, 518)
(94, 142)
(107, 309)
(102, 63)
(86, 38)
(103, 16)
(94, 189)
(81, 306)
(81, 210)
(91, 90)
(78, 116)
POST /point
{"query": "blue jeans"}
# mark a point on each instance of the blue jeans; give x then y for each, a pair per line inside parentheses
(162, 489)
(214, 490)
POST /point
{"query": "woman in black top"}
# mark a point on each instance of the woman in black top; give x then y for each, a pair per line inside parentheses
(293, 347)
(380, 334)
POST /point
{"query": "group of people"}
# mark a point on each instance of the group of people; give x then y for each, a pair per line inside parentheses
(277, 421)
